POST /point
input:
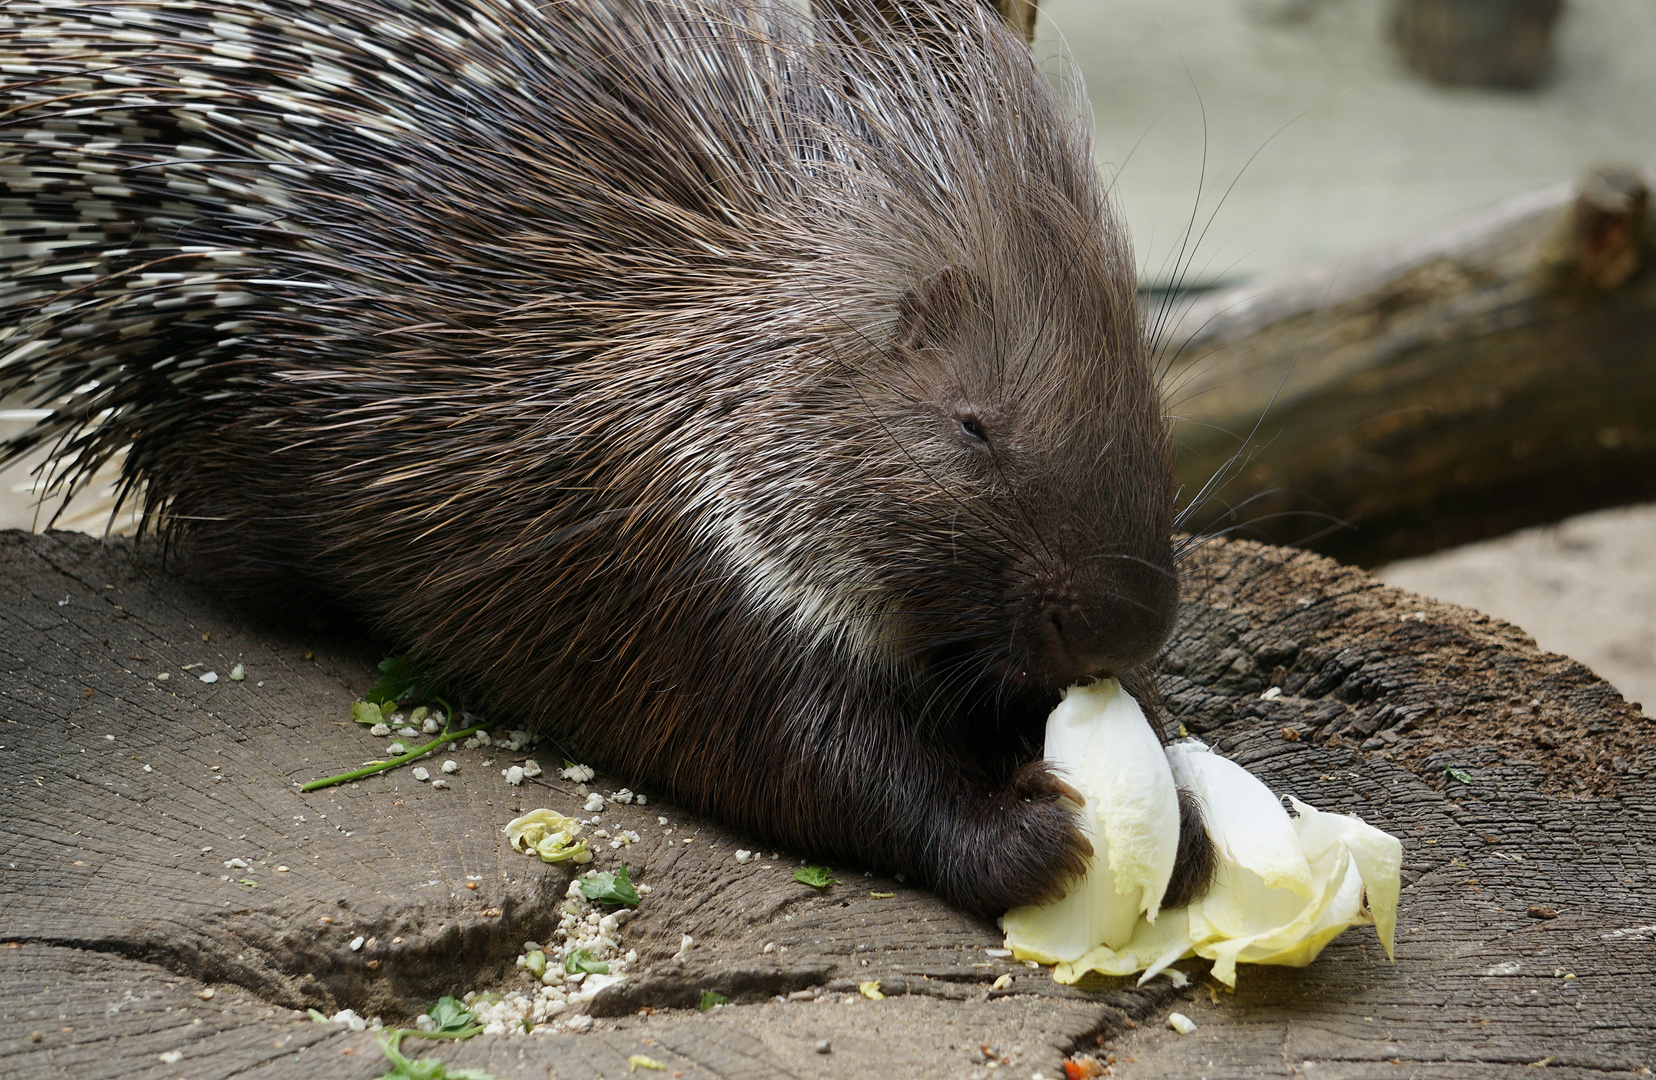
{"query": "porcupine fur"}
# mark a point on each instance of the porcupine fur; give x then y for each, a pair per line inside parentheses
(759, 406)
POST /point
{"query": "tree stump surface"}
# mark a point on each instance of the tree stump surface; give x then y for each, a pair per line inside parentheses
(130, 794)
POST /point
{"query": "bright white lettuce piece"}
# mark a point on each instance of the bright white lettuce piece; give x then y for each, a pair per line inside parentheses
(1285, 887)
(1103, 745)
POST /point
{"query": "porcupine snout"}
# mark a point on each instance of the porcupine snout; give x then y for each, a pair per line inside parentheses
(1093, 618)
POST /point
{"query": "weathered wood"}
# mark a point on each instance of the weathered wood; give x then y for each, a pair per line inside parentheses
(113, 918)
(1477, 42)
(1495, 374)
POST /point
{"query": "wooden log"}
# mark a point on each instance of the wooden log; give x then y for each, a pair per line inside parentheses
(1506, 43)
(1516, 779)
(1497, 373)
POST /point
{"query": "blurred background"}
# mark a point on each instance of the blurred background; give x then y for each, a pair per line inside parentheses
(1264, 147)
(1407, 317)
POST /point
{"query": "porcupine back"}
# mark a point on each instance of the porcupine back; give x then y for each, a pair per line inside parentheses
(557, 340)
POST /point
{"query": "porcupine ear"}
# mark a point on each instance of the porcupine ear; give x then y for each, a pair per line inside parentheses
(929, 311)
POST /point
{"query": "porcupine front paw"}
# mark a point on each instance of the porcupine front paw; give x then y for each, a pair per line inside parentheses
(1022, 845)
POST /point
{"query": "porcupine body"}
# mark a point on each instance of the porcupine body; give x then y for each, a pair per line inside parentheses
(760, 407)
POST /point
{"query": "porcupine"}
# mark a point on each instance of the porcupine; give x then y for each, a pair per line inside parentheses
(758, 404)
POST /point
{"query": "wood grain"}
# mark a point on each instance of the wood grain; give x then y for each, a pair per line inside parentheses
(113, 918)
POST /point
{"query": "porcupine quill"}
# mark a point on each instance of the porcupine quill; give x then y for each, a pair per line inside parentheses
(757, 404)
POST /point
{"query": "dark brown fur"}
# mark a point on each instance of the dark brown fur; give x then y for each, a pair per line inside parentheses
(764, 413)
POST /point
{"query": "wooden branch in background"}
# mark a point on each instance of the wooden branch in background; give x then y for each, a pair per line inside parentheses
(1498, 373)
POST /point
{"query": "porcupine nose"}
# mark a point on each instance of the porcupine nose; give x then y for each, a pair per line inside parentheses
(1102, 631)
(1078, 643)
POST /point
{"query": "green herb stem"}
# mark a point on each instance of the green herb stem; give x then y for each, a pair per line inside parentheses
(401, 759)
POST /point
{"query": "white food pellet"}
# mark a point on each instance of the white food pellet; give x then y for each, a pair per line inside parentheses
(743, 856)
(396, 748)
(470, 744)
(422, 774)
(431, 727)
(640, 800)
(1181, 1023)
(381, 730)
(407, 732)
(997, 952)
(482, 738)
(237, 673)
(171, 1057)
(451, 766)
(148, 768)
(209, 677)
(513, 775)
(356, 943)
(109, 738)
(163, 677)
(531, 768)
(581, 774)
(439, 783)
(661, 821)
(580, 1023)
(1272, 694)
(622, 795)
(594, 802)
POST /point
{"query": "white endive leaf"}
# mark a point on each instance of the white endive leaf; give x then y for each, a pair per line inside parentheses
(1100, 741)
(1253, 830)
(1378, 857)
(1284, 888)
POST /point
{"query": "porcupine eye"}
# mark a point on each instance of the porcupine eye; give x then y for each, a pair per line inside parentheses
(973, 430)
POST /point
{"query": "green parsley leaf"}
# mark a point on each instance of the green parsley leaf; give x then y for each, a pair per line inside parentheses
(1457, 774)
(400, 677)
(607, 888)
(710, 999)
(450, 1016)
(581, 960)
(815, 876)
(367, 712)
